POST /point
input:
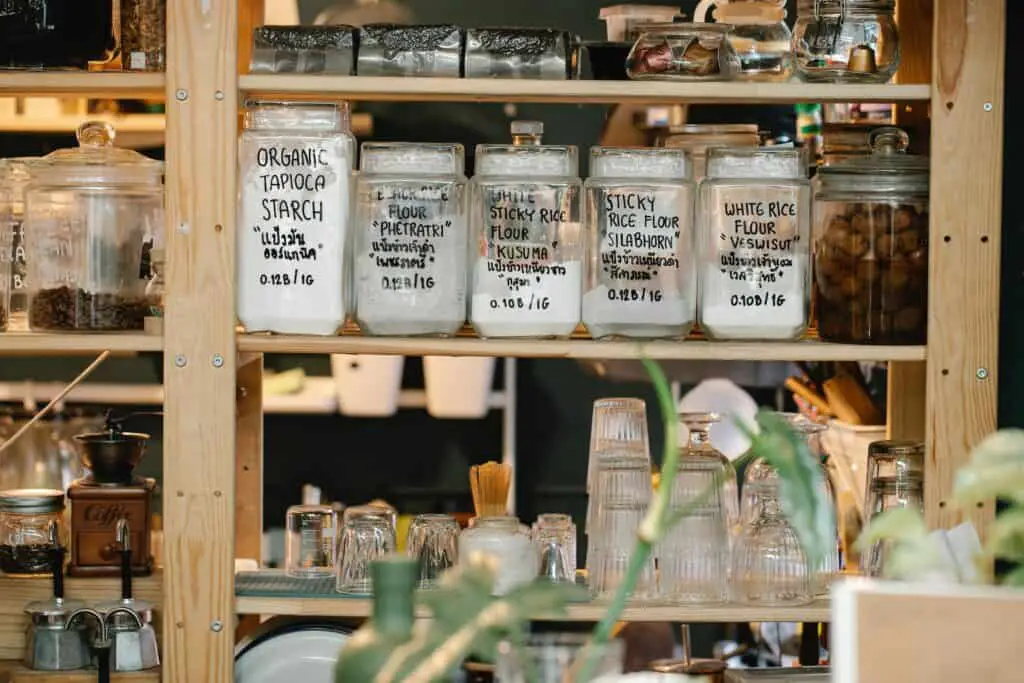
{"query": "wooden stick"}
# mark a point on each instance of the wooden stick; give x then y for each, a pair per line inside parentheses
(55, 400)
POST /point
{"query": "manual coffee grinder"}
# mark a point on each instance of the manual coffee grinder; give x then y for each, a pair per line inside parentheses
(110, 492)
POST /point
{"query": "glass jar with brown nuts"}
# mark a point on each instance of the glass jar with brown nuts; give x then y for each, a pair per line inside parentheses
(871, 246)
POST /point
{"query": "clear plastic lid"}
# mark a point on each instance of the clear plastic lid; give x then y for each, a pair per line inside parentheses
(97, 161)
(323, 117)
(756, 162)
(639, 163)
(818, 8)
(412, 158)
(887, 169)
(527, 160)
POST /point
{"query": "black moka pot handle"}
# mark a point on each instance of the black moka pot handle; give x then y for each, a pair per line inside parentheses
(124, 540)
(56, 561)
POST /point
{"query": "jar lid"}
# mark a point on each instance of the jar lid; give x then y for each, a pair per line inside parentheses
(526, 160)
(53, 607)
(412, 158)
(639, 11)
(31, 501)
(844, 7)
(887, 169)
(16, 170)
(96, 160)
(756, 163)
(330, 117)
(683, 29)
(638, 163)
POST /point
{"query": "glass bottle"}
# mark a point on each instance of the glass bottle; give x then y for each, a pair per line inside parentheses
(871, 245)
(15, 175)
(528, 273)
(759, 35)
(26, 516)
(641, 274)
(295, 162)
(754, 213)
(846, 40)
(509, 543)
(411, 244)
(389, 627)
(694, 556)
(769, 565)
(91, 213)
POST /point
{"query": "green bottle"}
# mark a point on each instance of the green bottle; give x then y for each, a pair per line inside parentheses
(394, 584)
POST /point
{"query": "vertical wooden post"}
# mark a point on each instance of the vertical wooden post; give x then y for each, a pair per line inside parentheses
(966, 215)
(906, 391)
(199, 342)
(249, 459)
(915, 18)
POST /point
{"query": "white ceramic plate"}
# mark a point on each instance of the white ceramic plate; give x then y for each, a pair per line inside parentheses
(306, 655)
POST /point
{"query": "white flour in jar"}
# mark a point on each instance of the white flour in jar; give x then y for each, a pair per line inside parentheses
(755, 246)
(293, 218)
(411, 245)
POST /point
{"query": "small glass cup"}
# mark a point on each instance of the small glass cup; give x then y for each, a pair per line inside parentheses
(433, 542)
(618, 426)
(310, 552)
(368, 534)
(555, 538)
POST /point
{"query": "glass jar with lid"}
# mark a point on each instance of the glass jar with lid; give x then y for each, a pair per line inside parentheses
(26, 516)
(411, 239)
(15, 175)
(754, 210)
(871, 245)
(295, 163)
(509, 543)
(683, 52)
(641, 270)
(698, 138)
(846, 40)
(91, 214)
(525, 217)
(760, 36)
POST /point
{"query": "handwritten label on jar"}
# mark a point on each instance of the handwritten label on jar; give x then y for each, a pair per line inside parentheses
(639, 278)
(755, 280)
(410, 264)
(528, 280)
(294, 210)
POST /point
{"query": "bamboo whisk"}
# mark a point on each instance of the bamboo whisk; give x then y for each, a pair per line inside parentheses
(490, 483)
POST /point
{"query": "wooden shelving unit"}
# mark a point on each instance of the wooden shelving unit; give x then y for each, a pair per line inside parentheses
(944, 393)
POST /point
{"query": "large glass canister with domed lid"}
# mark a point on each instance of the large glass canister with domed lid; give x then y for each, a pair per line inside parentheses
(92, 214)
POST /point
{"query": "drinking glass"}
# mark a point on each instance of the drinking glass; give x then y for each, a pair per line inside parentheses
(622, 494)
(891, 493)
(433, 542)
(310, 546)
(557, 658)
(694, 555)
(892, 461)
(769, 566)
(555, 538)
(699, 448)
(367, 534)
(618, 426)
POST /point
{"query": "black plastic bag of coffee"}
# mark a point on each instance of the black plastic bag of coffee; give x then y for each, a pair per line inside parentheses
(394, 50)
(304, 49)
(540, 53)
(55, 33)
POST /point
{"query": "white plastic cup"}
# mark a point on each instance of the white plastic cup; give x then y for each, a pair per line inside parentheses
(368, 386)
(458, 387)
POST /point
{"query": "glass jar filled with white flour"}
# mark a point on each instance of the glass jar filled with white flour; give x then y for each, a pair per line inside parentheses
(528, 272)
(641, 275)
(411, 238)
(754, 210)
(295, 165)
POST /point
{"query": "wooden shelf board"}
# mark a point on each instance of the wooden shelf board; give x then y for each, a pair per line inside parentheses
(105, 84)
(360, 608)
(67, 123)
(578, 348)
(43, 344)
(19, 674)
(511, 90)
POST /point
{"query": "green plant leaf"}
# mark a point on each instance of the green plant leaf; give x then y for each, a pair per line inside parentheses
(900, 524)
(996, 469)
(543, 598)
(912, 551)
(802, 483)
(1015, 578)
(1006, 535)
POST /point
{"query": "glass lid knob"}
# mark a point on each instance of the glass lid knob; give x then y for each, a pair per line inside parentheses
(889, 140)
(96, 134)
